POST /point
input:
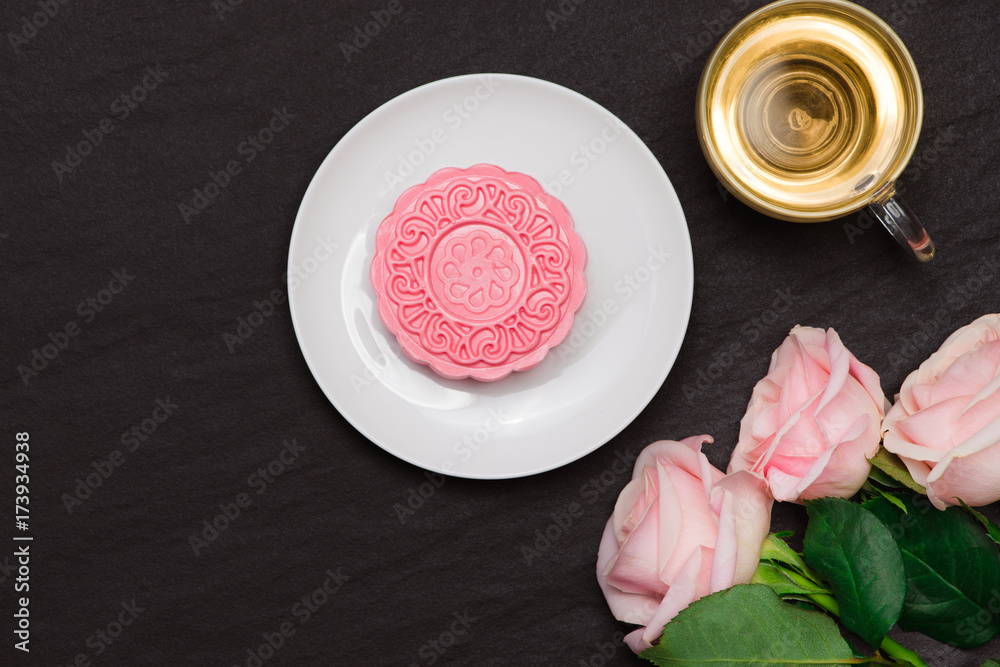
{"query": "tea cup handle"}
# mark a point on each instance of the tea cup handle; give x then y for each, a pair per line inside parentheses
(902, 224)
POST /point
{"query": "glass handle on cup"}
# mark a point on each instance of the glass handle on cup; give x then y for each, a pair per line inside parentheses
(902, 224)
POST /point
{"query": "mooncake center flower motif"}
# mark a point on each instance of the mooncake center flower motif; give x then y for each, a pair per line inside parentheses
(478, 272)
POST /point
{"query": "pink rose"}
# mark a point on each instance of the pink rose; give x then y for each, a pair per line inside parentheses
(681, 530)
(945, 424)
(814, 421)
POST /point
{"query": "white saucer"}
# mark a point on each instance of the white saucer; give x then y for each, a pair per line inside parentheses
(625, 337)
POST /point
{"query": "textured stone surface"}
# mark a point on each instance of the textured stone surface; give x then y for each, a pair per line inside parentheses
(200, 321)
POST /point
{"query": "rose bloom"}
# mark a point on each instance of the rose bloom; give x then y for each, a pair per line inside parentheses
(681, 530)
(945, 424)
(814, 422)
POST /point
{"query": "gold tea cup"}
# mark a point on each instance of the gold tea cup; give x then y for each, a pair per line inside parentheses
(809, 110)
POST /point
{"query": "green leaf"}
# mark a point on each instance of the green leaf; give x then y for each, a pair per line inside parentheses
(856, 554)
(990, 663)
(893, 467)
(991, 528)
(779, 582)
(775, 549)
(952, 570)
(892, 498)
(747, 626)
(884, 479)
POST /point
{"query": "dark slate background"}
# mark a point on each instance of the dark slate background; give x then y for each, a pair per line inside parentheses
(62, 235)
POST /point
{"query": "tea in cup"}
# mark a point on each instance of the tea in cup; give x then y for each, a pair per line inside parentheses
(809, 110)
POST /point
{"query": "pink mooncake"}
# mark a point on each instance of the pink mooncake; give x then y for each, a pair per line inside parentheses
(478, 272)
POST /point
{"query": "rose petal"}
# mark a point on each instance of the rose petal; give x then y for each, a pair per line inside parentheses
(968, 373)
(726, 544)
(636, 567)
(806, 380)
(633, 502)
(945, 424)
(841, 414)
(686, 520)
(752, 509)
(843, 470)
(974, 479)
(932, 428)
(635, 641)
(680, 595)
(981, 408)
(840, 369)
(784, 487)
(871, 382)
(984, 330)
(986, 438)
(917, 467)
(683, 454)
(627, 607)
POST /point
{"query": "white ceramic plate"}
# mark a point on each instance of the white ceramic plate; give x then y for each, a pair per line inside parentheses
(625, 337)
